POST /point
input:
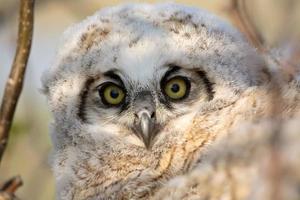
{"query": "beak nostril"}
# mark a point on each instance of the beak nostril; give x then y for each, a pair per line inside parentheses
(152, 115)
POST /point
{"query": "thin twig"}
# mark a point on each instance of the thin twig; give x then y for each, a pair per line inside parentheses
(7, 191)
(14, 84)
(239, 15)
(12, 185)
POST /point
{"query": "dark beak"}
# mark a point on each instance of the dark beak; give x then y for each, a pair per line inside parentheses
(145, 119)
(146, 124)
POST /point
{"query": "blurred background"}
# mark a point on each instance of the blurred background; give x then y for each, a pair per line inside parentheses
(29, 144)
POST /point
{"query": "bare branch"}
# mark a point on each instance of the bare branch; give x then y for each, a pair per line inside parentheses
(239, 15)
(13, 89)
(14, 84)
(12, 185)
(7, 191)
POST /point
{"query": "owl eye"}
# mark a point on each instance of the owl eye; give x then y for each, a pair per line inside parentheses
(112, 94)
(177, 88)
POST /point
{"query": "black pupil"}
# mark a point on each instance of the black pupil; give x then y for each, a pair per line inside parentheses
(114, 93)
(175, 88)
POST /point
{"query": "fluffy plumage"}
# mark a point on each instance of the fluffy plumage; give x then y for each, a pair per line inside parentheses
(96, 153)
(246, 164)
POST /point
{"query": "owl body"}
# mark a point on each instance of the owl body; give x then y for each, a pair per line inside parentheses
(138, 92)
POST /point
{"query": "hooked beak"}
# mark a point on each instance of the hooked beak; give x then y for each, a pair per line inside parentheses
(146, 123)
(145, 119)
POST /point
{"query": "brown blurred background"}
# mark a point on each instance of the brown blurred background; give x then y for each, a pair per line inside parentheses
(29, 144)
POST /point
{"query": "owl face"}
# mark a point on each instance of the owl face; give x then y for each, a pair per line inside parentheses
(142, 109)
(140, 72)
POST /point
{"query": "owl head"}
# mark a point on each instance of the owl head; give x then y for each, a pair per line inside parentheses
(137, 73)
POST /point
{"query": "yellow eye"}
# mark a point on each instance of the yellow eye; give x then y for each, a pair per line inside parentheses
(177, 88)
(112, 94)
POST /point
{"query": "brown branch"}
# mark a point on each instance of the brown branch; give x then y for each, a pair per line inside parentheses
(12, 185)
(7, 191)
(240, 17)
(13, 89)
(14, 84)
